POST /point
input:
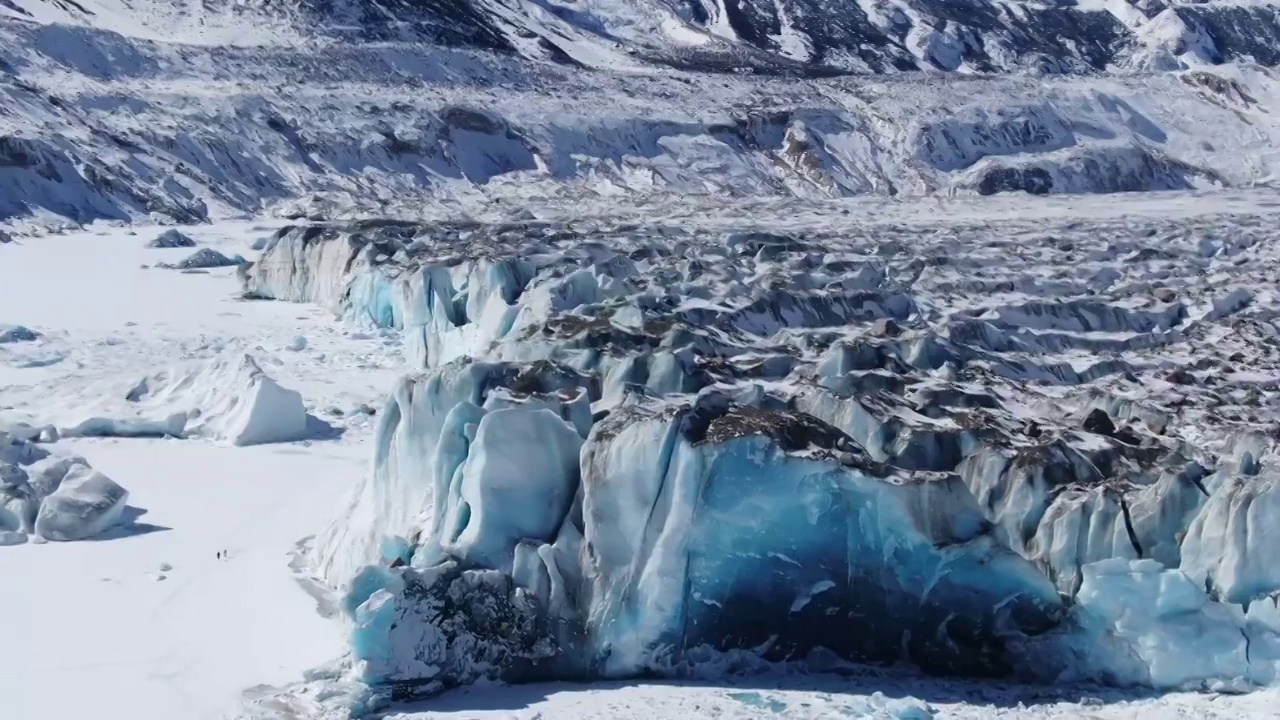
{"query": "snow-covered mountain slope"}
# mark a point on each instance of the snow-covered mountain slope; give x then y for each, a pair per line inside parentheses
(149, 109)
(771, 35)
(102, 126)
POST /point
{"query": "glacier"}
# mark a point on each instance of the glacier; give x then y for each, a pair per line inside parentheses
(629, 444)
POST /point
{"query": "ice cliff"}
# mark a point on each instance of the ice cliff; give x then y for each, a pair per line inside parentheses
(630, 444)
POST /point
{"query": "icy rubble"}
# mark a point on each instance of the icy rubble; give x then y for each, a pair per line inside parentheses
(52, 497)
(1138, 622)
(631, 443)
(228, 398)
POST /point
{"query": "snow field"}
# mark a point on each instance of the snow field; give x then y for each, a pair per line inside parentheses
(145, 623)
(97, 633)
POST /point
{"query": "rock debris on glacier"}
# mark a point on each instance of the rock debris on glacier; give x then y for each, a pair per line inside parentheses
(1035, 449)
(203, 259)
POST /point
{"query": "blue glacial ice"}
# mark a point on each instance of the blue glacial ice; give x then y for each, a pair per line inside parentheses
(1139, 623)
(763, 533)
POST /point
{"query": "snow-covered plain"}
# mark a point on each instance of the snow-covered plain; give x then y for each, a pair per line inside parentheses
(145, 622)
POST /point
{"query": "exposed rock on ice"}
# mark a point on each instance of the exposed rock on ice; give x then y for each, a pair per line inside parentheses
(202, 259)
(677, 439)
(228, 398)
(17, 334)
(463, 626)
(171, 239)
